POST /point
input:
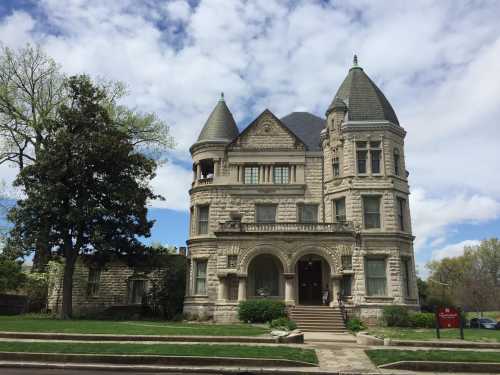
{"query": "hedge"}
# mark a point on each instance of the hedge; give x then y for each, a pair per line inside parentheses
(260, 310)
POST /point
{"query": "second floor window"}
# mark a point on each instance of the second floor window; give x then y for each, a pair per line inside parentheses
(401, 213)
(203, 220)
(281, 175)
(265, 213)
(371, 208)
(339, 208)
(336, 167)
(406, 276)
(346, 262)
(375, 154)
(251, 175)
(361, 156)
(308, 213)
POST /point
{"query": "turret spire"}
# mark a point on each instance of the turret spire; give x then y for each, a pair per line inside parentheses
(355, 61)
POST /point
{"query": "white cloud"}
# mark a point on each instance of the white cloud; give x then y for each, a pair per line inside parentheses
(434, 217)
(453, 250)
(172, 182)
(15, 29)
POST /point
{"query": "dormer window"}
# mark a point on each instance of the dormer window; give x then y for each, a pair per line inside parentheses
(251, 175)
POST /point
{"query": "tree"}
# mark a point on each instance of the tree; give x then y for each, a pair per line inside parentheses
(32, 91)
(89, 186)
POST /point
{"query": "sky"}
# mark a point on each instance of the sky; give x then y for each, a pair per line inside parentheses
(438, 63)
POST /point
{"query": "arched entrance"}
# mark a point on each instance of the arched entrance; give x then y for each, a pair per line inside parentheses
(313, 280)
(265, 277)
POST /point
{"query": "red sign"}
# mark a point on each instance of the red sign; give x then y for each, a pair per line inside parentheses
(448, 317)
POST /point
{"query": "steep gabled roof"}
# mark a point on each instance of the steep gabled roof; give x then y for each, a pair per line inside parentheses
(307, 127)
(364, 100)
(220, 125)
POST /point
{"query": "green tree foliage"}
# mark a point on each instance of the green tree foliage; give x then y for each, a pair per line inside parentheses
(33, 92)
(172, 286)
(89, 186)
(12, 277)
(471, 281)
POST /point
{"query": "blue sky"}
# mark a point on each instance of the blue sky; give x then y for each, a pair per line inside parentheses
(436, 61)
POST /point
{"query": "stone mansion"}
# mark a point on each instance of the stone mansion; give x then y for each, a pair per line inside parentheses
(303, 209)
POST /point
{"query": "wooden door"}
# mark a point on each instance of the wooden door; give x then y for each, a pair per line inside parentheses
(310, 287)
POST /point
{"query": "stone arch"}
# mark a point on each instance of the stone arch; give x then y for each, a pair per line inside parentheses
(269, 249)
(328, 255)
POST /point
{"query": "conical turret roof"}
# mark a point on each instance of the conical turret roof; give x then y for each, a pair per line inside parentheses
(363, 99)
(220, 125)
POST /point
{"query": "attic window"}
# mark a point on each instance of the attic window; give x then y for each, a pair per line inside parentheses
(207, 168)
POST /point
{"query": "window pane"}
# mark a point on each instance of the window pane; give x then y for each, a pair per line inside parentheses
(251, 175)
(346, 285)
(376, 277)
(203, 220)
(266, 213)
(360, 144)
(375, 161)
(361, 161)
(371, 206)
(346, 262)
(401, 211)
(336, 167)
(232, 287)
(308, 213)
(280, 175)
(232, 261)
(376, 287)
(340, 215)
(201, 277)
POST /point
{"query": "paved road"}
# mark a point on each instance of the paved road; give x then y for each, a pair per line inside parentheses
(30, 371)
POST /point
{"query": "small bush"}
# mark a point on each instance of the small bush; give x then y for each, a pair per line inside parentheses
(422, 320)
(355, 325)
(396, 316)
(283, 324)
(260, 310)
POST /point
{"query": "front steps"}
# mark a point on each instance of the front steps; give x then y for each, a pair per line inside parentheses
(317, 319)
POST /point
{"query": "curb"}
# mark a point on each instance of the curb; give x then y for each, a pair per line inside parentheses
(149, 360)
(474, 367)
(106, 337)
(167, 369)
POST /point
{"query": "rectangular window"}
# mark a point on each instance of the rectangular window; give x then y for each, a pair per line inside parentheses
(396, 162)
(375, 159)
(251, 175)
(308, 213)
(265, 213)
(281, 175)
(371, 207)
(346, 285)
(405, 274)
(401, 213)
(346, 262)
(203, 220)
(336, 167)
(362, 161)
(339, 208)
(136, 291)
(376, 278)
(200, 286)
(93, 282)
(232, 287)
(232, 261)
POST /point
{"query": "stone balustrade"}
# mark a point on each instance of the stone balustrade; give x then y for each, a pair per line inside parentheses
(237, 226)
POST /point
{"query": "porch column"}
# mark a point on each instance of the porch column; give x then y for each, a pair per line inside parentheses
(335, 288)
(216, 167)
(222, 290)
(289, 288)
(198, 171)
(242, 288)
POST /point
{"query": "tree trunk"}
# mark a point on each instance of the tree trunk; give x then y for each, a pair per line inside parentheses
(67, 301)
(42, 253)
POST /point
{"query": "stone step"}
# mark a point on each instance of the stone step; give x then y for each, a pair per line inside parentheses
(305, 315)
(318, 319)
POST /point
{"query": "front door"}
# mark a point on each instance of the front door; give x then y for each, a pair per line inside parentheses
(310, 282)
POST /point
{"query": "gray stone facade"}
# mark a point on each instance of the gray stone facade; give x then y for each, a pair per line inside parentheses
(364, 255)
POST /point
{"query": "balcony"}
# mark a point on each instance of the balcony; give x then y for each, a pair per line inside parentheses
(239, 227)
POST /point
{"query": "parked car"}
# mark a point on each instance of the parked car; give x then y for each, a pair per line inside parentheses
(486, 323)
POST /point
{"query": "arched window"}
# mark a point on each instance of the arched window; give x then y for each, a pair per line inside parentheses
(265, 271)
(396, 162)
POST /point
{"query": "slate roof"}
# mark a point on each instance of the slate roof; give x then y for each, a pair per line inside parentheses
(307, 127)
(220, 125)
(363, 98)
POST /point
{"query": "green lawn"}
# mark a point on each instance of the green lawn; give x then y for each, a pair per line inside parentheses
(430, 334)
(198, 350)
(382, 356)
(31, 323)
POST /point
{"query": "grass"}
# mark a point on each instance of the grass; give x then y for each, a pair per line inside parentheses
(383, 356)
(197, 350)
(30, 323)
(470, 334)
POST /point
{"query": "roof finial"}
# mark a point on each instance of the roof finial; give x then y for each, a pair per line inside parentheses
(222, 96)
(355, 60)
